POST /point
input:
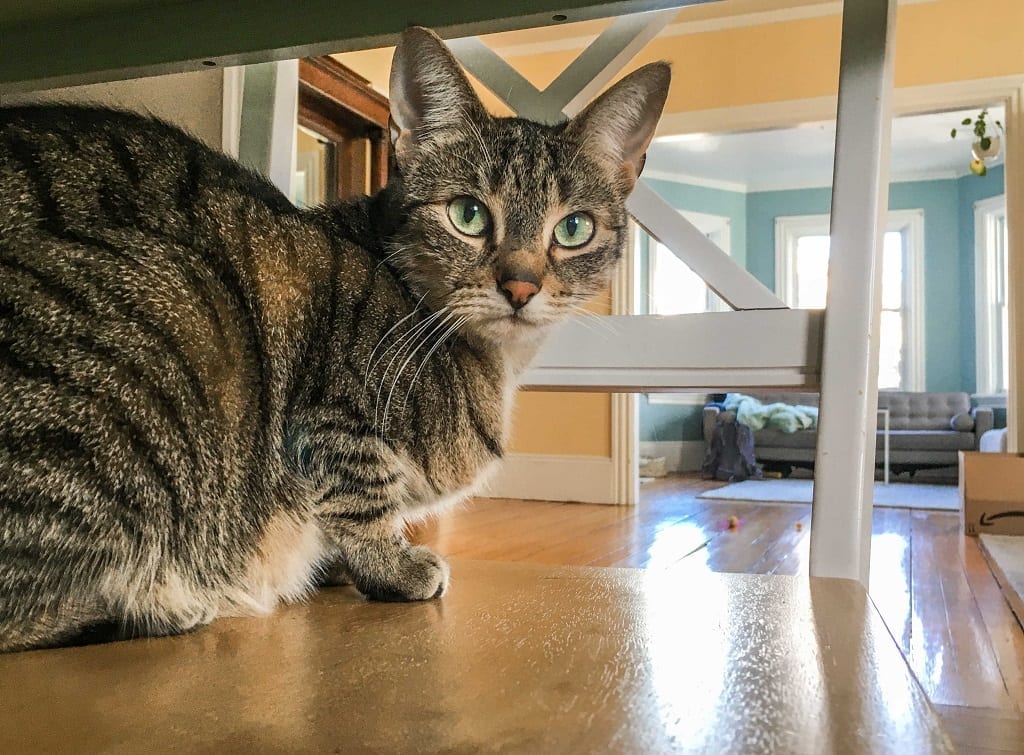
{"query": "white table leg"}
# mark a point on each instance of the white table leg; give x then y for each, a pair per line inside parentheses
(885, 445)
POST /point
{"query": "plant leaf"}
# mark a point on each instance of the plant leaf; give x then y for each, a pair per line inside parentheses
(985, 142)
(965, 122)
(952, 134)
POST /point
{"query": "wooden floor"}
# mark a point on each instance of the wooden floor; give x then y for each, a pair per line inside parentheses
(930, 583)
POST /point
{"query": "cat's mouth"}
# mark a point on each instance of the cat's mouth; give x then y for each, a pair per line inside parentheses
(518, 319)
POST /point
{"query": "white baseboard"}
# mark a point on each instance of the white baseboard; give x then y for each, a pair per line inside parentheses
(680, 455)
(547, 477)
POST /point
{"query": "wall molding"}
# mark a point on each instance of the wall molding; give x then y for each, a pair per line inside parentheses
(738, 187)
(550, 477)
(679, 455)
(704, 183)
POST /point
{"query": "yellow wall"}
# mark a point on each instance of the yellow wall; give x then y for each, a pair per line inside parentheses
(940, 41)
(936, 42)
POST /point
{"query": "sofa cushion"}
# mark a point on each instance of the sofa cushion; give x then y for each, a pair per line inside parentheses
(899, 440)
(777, 438)
(962, 423)
(922, 411)
(928, 440)
(908, 410)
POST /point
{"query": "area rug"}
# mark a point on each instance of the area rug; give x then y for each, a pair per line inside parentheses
(1005, 554)
(903, 495)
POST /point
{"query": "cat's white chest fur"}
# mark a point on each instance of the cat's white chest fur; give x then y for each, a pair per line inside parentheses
(282, 568)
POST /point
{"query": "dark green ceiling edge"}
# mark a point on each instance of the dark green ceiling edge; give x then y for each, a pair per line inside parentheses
(186, 36)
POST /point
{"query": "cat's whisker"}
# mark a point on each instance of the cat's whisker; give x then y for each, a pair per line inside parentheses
(410, 333)
(414, 251)
(369, 359)
(586, 317)
(410, 338)
(585, 324)
(600, 319)
(452, 329)
(404, 341)
(422, 340)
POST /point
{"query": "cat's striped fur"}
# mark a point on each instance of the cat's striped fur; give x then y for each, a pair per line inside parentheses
(209, 399)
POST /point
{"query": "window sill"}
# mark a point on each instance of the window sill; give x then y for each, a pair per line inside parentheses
(995, 400)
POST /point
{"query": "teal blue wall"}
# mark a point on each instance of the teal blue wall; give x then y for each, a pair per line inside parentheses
(730, 204)
(948, 269)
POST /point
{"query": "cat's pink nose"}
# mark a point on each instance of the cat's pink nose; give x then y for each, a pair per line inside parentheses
(519, 290)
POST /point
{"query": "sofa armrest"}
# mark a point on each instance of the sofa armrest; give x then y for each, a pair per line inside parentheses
(984, 420)
(709, 419)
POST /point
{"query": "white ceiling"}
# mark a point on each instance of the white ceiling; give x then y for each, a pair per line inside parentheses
(802, 157)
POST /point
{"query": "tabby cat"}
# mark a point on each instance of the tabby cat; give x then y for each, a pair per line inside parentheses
(212, 401)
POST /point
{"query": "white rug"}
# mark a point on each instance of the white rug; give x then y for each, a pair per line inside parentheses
(903, 495)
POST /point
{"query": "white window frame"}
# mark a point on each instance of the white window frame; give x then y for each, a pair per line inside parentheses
(718, 229)
(986, 279)
(908, 222)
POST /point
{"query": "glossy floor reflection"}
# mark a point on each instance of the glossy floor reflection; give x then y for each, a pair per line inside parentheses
(516, 658)
(930, 584)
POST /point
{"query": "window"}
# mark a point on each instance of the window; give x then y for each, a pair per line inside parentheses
(674, 288)
(991, 313)
(801, 278)
(342, 134)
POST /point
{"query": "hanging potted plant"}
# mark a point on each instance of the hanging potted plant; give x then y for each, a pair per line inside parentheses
(987, 142)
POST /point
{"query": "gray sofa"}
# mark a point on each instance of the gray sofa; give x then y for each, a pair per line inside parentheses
(926, 430)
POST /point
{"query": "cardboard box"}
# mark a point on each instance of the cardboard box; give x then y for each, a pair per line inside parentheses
(991, 493)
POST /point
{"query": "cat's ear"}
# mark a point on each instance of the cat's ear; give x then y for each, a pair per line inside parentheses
(621, 122)
(429, 93)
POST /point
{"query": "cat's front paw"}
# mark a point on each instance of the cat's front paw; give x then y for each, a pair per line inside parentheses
(420, 575)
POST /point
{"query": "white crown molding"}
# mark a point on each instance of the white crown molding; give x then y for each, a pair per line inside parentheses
(928, 175)
(706, 183)
(756, 117)
(826, 183)
(819, 183)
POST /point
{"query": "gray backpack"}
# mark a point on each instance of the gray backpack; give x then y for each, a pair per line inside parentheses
(730, 456)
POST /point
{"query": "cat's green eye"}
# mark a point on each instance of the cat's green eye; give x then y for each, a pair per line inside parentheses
(469, 216)
(575, 229)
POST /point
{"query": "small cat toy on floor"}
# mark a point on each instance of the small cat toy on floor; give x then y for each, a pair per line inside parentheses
(212, 401)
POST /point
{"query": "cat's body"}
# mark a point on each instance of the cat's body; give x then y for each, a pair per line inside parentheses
(210, 399)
